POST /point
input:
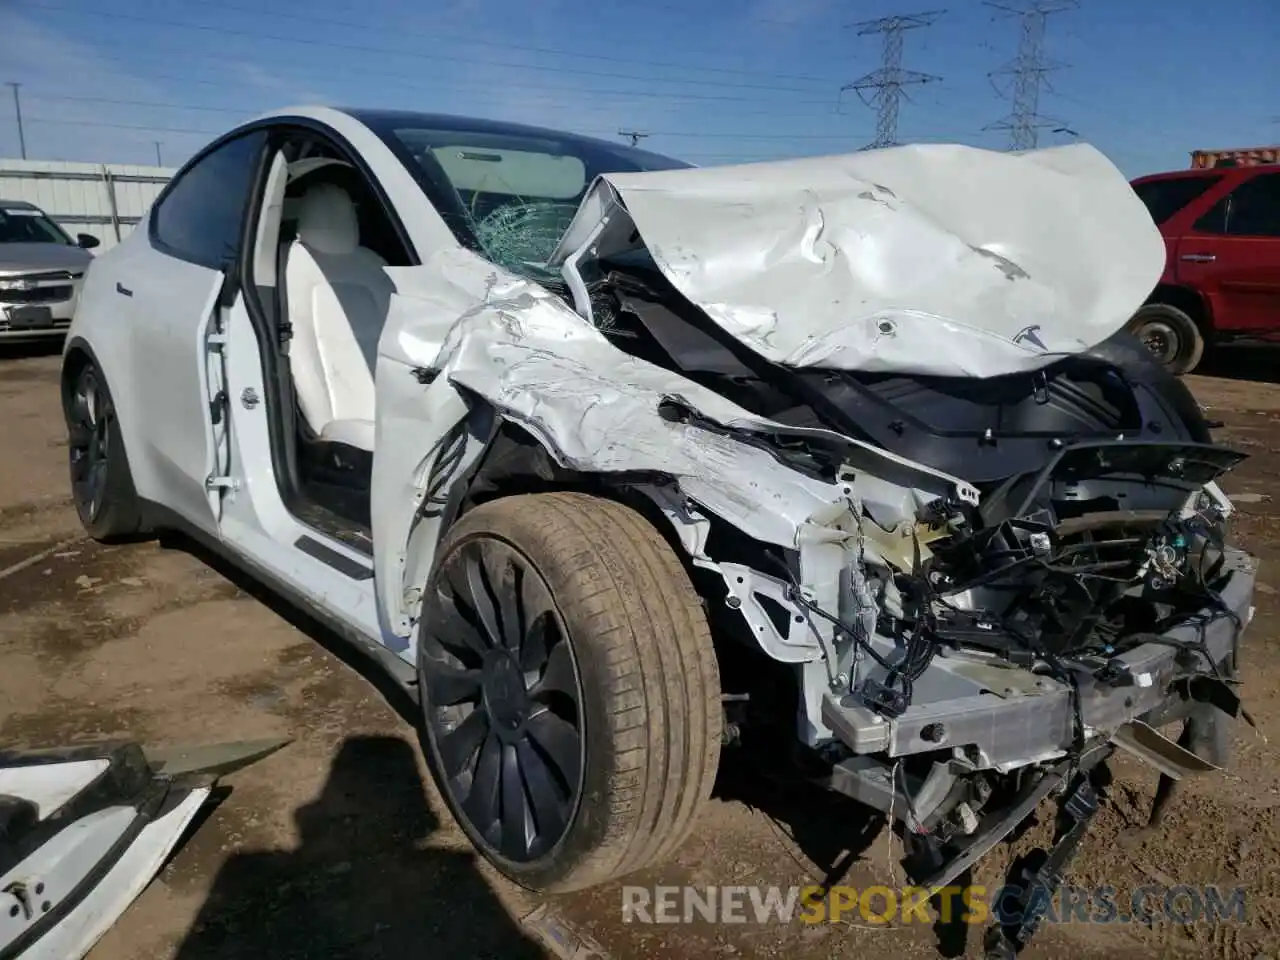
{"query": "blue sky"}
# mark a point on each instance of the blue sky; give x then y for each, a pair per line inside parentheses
(710, 80)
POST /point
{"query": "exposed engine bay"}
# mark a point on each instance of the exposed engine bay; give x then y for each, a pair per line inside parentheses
(979, 549)
(989, 653)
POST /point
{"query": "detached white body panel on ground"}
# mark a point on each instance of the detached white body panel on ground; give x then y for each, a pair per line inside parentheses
(84, 829)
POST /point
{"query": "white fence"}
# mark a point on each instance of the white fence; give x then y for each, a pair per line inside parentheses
(104, 199)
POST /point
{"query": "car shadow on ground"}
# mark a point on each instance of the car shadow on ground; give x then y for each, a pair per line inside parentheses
(839, 841)
(396, 697)
(28, 349)
(1257, 363)
(829, 835)
(363, 882)
(829, 832)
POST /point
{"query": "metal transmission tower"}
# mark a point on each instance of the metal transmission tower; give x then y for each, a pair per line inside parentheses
(883, 88)
(1029, 70)
(634, 135)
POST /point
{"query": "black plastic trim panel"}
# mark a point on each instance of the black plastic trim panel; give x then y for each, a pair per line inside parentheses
(332, 558)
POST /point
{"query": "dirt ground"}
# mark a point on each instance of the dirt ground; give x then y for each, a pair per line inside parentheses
(338, 846)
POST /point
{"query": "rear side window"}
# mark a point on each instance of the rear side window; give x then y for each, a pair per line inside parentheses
(1255, 207)
(1215, 220)
(1164, 198)
(198, 218)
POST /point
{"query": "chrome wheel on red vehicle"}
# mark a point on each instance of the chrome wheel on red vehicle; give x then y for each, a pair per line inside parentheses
(1170, 334)
(1163, 342)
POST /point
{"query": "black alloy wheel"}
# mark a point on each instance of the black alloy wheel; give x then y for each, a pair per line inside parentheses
(90, 427)
(502, 698)
(101, 482)
(571, 710)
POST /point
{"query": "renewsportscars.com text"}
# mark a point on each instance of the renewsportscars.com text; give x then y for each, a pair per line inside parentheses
(972, 904)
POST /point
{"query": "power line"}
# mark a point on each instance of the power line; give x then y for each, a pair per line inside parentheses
(748, 155)
(583, 115)
(411, 54)
(406, 82)
(241, 112)
(695, 134)
(436, 36)
(60, 98)
(700, 9)
(753, 136)
(193, 131)
(209, 134)
(1029, 70)
(888, 81)
(1129, 121)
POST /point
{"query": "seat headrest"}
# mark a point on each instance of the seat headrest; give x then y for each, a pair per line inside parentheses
(327, 220)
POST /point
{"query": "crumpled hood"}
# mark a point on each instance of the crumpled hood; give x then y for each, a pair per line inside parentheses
(928, 259)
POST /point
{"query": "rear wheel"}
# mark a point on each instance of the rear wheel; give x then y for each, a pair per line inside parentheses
(571, 700)
(101, 484)
(1171, 335)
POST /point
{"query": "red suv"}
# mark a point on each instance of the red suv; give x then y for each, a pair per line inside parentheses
(1222, 277)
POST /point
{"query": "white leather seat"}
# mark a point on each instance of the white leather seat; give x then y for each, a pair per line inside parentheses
(338, 295)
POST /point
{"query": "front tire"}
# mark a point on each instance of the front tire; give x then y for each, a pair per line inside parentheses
(1171, 335)
(571, 699)
(101, 484)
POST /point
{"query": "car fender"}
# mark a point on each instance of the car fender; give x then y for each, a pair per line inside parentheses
(113, 360)
(100, 334)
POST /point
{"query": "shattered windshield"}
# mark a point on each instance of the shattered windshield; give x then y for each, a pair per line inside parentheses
(509, 192)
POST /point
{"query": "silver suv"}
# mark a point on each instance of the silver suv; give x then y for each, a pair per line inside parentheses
(41, 270)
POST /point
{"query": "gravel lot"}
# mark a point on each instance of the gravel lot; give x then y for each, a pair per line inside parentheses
(338, 847)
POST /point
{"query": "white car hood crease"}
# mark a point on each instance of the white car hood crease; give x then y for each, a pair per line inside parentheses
(939, 260)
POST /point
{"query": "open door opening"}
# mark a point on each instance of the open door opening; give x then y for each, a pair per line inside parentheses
(323, 241)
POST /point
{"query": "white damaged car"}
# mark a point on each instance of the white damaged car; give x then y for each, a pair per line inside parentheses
(613, 461)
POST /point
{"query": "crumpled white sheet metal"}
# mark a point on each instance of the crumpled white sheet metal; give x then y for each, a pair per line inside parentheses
(927, 259)
(596, 408)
